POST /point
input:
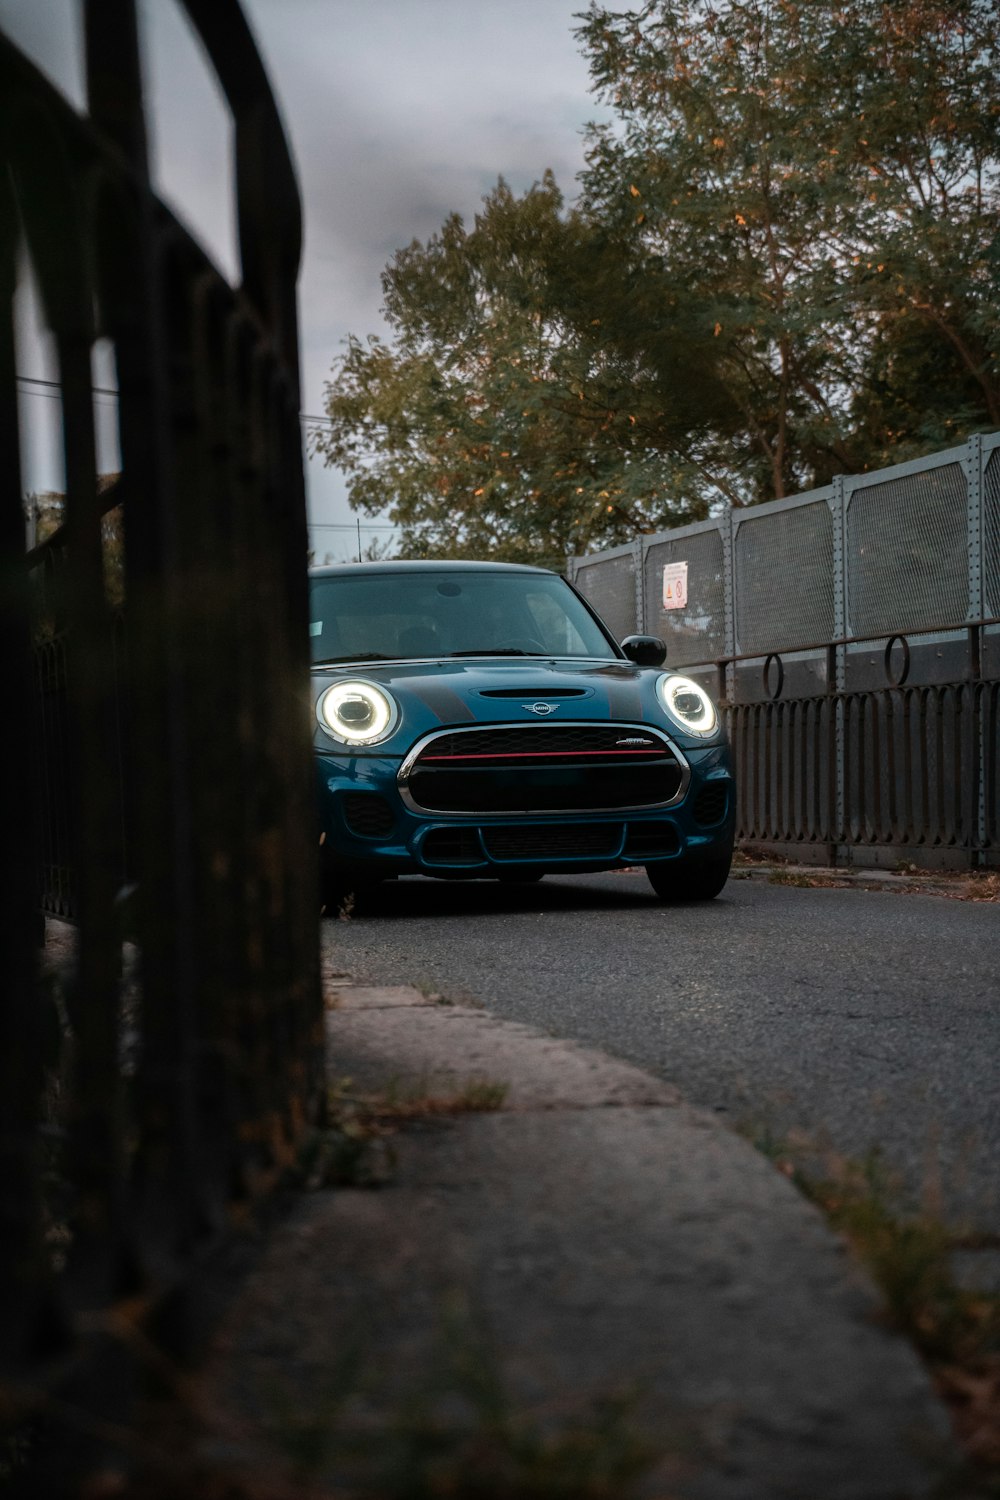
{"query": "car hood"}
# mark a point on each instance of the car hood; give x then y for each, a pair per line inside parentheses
(453, 692)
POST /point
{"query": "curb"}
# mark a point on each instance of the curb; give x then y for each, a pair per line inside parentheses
(601, 1239)
(958, 886)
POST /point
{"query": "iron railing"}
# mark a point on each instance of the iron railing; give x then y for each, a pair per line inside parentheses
(852, 635)
(171, 645)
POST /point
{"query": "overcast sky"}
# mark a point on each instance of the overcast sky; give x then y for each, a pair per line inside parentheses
(398, 111)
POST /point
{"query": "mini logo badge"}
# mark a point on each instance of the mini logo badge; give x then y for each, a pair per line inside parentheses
(633, 742)
(540, 708)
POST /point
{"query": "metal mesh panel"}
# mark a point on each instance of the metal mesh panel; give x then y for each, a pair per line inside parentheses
(610, 587)
(906, 553)
(991, 519)
(784, 579)
(698, 631)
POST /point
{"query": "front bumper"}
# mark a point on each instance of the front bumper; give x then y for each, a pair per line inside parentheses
(369, 826)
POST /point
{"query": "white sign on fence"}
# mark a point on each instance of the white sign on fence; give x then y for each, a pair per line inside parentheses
(675, 585)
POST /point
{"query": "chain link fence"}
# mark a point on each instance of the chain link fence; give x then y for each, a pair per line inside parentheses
(854, 634)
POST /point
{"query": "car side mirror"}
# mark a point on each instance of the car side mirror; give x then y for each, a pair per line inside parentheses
(645, 650)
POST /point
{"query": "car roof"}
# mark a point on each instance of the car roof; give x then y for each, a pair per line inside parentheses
(424, 565)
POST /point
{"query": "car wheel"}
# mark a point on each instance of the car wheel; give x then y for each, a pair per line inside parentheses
(687, 880)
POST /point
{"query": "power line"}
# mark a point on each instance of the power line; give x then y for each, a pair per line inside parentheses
(54, 387)
(105, 390)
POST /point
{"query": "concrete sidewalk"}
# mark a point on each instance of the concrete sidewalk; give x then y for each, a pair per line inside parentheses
(593, 1241)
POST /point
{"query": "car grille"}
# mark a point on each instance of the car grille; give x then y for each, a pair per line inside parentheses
(646, 840)
(549, 841)
(536, 739)
(543, 768)
(452, 846)
(570, 841)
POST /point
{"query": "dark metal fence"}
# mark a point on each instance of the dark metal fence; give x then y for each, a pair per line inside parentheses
(853, 635)
(154, 706)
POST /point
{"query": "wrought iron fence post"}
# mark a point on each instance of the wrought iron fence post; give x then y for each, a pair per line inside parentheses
(837, 682)
(26, 1295)
(727, 677)
(978, 833)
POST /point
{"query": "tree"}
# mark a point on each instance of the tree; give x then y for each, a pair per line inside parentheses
(501, 421)
(784, 264)
(824, 176)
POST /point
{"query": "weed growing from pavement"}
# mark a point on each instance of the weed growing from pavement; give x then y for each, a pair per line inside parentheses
(420, 1098)
(349, 1152)
(911, 1258)
(355, 1147)
(431, 992)
(457, 1432)
(984, 887)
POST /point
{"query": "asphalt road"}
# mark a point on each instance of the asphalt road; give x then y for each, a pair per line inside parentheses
(863, 1019)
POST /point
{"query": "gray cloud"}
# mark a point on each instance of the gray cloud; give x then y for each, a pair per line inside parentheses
(399, 112)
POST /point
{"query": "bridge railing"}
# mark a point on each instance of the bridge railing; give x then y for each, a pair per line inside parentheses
(157, 1075)
(853, 636)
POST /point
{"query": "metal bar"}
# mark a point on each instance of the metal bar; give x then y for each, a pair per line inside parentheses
(269, 222)
(23, 1274)
(94, 1133)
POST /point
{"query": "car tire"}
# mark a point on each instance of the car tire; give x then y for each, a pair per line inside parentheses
(687, 880)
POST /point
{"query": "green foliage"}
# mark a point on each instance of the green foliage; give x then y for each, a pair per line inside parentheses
(824, 179)
(784, 264)
(500, 422)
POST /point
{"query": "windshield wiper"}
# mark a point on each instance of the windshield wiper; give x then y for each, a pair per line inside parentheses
(498, 651)
(334, 661)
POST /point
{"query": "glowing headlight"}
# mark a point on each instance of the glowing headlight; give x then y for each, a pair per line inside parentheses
(358, 712)
(687, 704)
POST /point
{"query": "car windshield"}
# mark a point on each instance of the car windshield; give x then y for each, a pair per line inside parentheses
(380, 616)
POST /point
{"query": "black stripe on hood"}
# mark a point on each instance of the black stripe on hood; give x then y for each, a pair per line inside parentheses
(445, 705)
(625, 699)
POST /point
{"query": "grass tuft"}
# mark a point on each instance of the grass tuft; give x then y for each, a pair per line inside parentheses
(355, 1149)
(458, 1434)
(910, 1256)
(792, 877)
(419, 1099)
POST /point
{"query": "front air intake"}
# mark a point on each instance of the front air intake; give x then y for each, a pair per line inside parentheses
(711, 803)
(368, 815)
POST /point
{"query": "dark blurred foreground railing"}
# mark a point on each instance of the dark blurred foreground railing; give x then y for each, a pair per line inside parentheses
(155, 714)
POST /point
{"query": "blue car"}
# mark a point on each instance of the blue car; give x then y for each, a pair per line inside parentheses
(479, 720)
